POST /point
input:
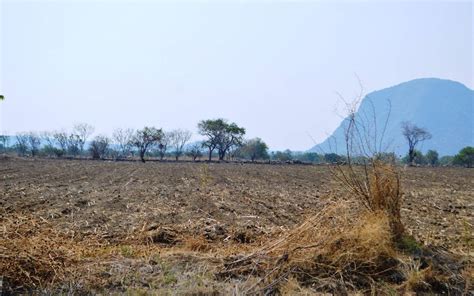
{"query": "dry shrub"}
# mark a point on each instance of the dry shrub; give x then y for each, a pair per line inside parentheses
(368, 172)
(33, 254)
(376, 184)
(334, 249)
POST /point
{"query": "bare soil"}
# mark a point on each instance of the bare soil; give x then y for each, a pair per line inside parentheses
(167, 227)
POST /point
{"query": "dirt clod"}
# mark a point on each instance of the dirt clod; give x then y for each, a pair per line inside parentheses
(164, 236)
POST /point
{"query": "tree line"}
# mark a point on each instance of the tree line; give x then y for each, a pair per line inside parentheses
(221, 139)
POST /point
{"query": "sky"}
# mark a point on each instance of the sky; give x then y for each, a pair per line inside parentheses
(273, 67)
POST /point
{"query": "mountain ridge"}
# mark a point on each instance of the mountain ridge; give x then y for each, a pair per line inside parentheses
(444, 107)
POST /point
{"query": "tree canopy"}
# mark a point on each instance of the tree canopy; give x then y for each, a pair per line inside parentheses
(414, 135)
(465, 157)
(254, 149)
(221, 135)
(145, 139)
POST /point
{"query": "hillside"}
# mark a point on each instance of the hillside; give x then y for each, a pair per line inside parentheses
(443, 107)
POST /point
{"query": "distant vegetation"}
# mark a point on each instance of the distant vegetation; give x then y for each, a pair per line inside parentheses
(221, 140)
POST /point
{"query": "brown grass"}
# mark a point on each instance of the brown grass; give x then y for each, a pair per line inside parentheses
(334, 249)
(33, 254)
(350, 245)
(347, 247)
(376, 185)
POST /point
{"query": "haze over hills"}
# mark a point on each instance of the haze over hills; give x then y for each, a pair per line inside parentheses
(443, 107)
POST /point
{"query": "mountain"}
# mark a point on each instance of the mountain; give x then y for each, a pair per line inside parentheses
(443, 107)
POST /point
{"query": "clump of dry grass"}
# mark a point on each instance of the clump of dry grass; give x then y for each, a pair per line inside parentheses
(33, 254)
(197, 244)
(376, 184)
(331, 250)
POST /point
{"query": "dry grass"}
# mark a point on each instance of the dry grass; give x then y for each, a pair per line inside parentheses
(332, 250)
(345, 249)
(376, 185)
(346, 246)
(351, 245)
(33, 254)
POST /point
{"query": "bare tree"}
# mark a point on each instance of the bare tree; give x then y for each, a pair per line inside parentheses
(145, 139)
(123, 138)
(61, 139)
(21, 145)
(34, 142)
(74, 144)
(178, 139)
(163, 145)
(99, 147)
(4, 141)
(195, 151)
(414, 135)
(47, 137)
(82, 131)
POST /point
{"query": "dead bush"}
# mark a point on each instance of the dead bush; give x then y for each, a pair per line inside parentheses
(376, 184)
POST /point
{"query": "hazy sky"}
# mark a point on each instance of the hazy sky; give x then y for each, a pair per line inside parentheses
(272, 67)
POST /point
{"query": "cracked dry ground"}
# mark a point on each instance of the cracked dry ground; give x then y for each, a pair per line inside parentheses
(190, 211)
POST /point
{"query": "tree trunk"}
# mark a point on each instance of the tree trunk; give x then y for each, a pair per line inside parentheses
(210, 154)
(142, 156)
(221, 154)
(411, 157)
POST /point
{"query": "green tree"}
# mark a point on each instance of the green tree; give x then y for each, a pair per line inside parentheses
(417, 158)
(221, 135)
(254, 149)
(286, 155)
(446, 160)
(213, 130)
(465, 157)
(50, 150)
(432, 157)
(312, 157)
(145, 139)
(333, 158)
(387, 157)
